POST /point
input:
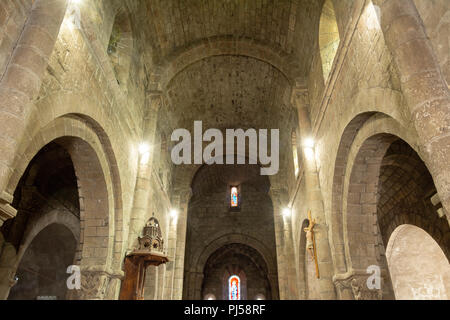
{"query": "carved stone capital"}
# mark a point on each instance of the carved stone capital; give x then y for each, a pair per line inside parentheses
(300, 96)
(6, 210)
(97, 284)
(353, 285)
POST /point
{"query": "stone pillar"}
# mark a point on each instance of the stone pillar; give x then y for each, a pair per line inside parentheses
(151, 283)
(171, 254)
(161, 282)
(7, 267)
(183, 202)
(22, 79)
(273, 280)
(287, 282)
(139, 212)
(314, 196)
(423, 87)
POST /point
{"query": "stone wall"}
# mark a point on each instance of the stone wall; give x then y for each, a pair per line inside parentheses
(210, 219)
(104, 77)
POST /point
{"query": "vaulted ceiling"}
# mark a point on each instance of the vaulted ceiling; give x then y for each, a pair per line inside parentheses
(287, 26)
(229, 63)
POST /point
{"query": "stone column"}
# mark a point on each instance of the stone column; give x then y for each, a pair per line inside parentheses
(151, 283)
(287, 282)
(161, 282)
(314, 196)
(171, 254)
(139, 212)
(423, 87)
(183, 202)
(22, 80)
(173, 289)
(7, 267)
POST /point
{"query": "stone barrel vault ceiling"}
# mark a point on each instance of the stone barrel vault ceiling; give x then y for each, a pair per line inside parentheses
(176, 25)
(227, 92)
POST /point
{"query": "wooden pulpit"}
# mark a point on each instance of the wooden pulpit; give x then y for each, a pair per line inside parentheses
(135, 266)
(149, 253)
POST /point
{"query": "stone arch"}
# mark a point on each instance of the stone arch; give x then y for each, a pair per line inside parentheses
(328, 38)
(94, 163)
(186, 173)
(224, 46)
(202, 257)
(363, 233)
(230, 268)
(214, 244)
(53, 217)
(40, 273)
(84, 128)
(365, 124)
(419, 268)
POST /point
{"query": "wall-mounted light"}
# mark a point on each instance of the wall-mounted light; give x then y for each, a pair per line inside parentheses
(173, 214)
(287, 212)
(144, 148)
(144, 153)
(308, 143)
(308, 148)
(372, 17)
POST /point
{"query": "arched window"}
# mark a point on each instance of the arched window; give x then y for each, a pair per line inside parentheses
(328, 38)
(234, 288)
(295, 154)
(234, 203)
(120, 47)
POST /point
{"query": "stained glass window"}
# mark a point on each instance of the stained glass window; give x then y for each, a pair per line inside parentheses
(234, 288)
(234, 197)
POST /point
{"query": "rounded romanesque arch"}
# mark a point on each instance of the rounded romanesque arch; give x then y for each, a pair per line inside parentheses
(364, 125)
(418, 266)
(61, 217)
(224, 46)
(218, 262)
(361, 153)
(383, 182)
(41, 272)
(99, 198)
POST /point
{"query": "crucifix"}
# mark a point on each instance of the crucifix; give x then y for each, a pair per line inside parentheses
(311, 242)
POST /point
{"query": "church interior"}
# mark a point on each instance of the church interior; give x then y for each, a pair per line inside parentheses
(95, 95)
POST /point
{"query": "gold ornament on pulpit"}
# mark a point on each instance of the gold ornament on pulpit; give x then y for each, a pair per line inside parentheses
(311, 242)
